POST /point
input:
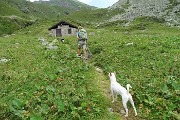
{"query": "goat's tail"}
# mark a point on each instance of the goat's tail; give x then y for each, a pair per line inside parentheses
(128, 86)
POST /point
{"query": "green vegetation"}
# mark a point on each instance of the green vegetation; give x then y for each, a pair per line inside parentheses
(37, 83)
(126, 5)
(12, 12)
(93, 17)
(72, 4)
(145, 22)
(24, 8)
(174, 2)
(149, 61)
(10, 24)
(7, 10)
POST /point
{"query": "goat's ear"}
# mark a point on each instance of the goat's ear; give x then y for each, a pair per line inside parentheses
(109, 74)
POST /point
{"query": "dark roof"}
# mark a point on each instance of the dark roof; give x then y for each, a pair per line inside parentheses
(62, 23)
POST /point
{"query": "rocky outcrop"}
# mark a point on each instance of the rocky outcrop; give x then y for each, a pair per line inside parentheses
(167, 9)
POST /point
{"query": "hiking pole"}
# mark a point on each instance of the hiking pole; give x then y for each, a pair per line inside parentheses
(86, 59)
(86, 62)
(89, 54)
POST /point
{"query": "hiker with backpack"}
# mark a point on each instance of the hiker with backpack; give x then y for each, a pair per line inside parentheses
(82, 41)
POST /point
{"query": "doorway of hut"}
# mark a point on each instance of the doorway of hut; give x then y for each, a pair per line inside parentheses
(58, 32)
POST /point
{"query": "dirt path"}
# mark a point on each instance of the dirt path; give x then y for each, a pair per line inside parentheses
(117, 106)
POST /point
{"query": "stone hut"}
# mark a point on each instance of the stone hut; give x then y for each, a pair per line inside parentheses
(63, 28)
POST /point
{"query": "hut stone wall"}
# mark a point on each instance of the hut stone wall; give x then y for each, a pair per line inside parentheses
(63, 30)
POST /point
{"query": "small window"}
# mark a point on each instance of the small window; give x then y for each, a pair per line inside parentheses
(69, 31)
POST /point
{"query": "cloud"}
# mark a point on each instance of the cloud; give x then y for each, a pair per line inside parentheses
(99, 3)
(36, 0)
(85, 1)
(112, 1)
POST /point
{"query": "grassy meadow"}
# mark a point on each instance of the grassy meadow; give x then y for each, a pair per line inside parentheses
(149, 61)
(37, 83)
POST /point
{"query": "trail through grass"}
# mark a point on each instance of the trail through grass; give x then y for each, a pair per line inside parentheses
(40, 83)
(103, 83)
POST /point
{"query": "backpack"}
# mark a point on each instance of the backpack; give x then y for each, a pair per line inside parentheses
(82, 34)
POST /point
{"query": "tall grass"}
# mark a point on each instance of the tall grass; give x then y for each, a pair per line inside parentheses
(149, 61)
(38, 83)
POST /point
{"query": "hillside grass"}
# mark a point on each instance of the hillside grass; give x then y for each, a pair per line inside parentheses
(92, 18)
(6, 10)
(40, 10)
(148, 59)
(38, 83)
(17, 14)
(9, 24)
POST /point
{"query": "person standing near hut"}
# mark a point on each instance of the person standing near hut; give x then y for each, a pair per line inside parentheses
(82, 42)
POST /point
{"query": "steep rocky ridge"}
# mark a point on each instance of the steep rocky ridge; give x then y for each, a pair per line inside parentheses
(169, 10)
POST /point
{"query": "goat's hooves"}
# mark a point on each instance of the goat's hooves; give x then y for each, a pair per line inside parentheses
(126, 115)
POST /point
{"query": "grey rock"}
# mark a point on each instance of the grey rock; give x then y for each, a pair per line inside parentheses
(152, 8)
(110, 110)
(4, 60)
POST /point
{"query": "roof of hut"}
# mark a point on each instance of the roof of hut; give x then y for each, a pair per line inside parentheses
(62, 23)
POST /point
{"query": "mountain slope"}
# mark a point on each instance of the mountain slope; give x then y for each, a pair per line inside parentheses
(16, 10)
(71, 4)
(167, 9)
(8, 8)
(40, 9)
(93, 17)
